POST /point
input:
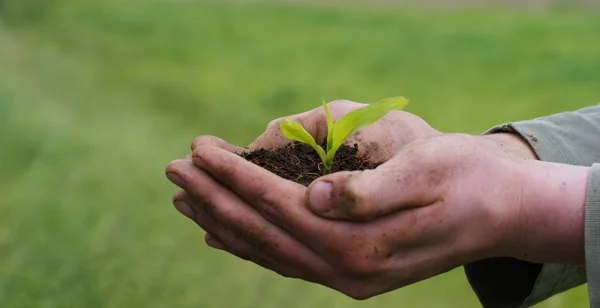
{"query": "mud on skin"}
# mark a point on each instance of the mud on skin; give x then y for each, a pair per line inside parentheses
(300, 163)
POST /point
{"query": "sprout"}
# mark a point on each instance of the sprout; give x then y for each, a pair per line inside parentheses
(342, 129)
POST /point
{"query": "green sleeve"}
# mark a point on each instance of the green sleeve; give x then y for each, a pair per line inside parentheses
(571, 137)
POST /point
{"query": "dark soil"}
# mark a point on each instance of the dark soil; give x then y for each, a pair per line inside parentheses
(300, 163)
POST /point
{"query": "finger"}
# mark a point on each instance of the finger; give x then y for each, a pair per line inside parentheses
(266, 241)
(214, 242)
(365, 195)
(182, 203)
(216, 142)
(280, 201)
(313, 122)
(223, 238)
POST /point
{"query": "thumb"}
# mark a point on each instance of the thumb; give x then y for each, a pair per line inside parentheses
(370, 194)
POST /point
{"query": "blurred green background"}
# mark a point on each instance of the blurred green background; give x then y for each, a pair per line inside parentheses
(96, 97)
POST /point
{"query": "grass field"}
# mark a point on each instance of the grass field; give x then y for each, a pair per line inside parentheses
(95, 99)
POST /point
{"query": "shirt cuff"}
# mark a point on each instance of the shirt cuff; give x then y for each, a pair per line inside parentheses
(592, 235)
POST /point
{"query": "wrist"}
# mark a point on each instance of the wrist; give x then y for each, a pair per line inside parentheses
(548, 218)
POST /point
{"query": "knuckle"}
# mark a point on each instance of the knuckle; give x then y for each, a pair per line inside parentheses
(210, 239)
(261, 261)
(358, 265)
(357, 269)
(179, 195)
(357, 200)
(211, 141)
(339, 103)
(254, 236)
(259, 197)
(274, 124)
(342, 106)
(247, 236)
(207, 201)
(228, 166)
(201, 140)
(262, 200)
(206, 225)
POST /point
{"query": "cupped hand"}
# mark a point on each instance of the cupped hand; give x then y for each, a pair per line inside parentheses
(377, 142)
(439, 203)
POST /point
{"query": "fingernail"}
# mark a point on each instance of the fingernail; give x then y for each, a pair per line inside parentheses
(176, 179)
(319, 197)
(184, 208)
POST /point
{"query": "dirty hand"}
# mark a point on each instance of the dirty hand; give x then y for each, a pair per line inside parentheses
(377, 142)
(439, 203)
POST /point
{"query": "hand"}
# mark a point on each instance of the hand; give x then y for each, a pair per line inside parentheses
(377, 142)
(439, 203)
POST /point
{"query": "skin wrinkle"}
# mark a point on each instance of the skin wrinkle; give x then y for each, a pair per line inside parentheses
(355, 261)
(260, 249)
(260, 196)
(356, 203)
(400, 227)
(411, 177)
(431, 253)
(405, 259)
(260, 246)
(182, 196)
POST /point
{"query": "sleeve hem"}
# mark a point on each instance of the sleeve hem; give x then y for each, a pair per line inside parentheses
(544, 146)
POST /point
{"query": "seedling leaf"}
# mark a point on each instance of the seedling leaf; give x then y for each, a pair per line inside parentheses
(329, 127)
(342, 129)
(293, 130)
(359, 118)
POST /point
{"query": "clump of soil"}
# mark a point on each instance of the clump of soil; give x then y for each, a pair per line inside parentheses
(300, 163)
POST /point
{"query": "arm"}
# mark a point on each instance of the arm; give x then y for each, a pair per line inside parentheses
(570, 138)
(439, 202)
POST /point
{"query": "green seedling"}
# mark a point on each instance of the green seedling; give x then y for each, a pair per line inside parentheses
(343, 128)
